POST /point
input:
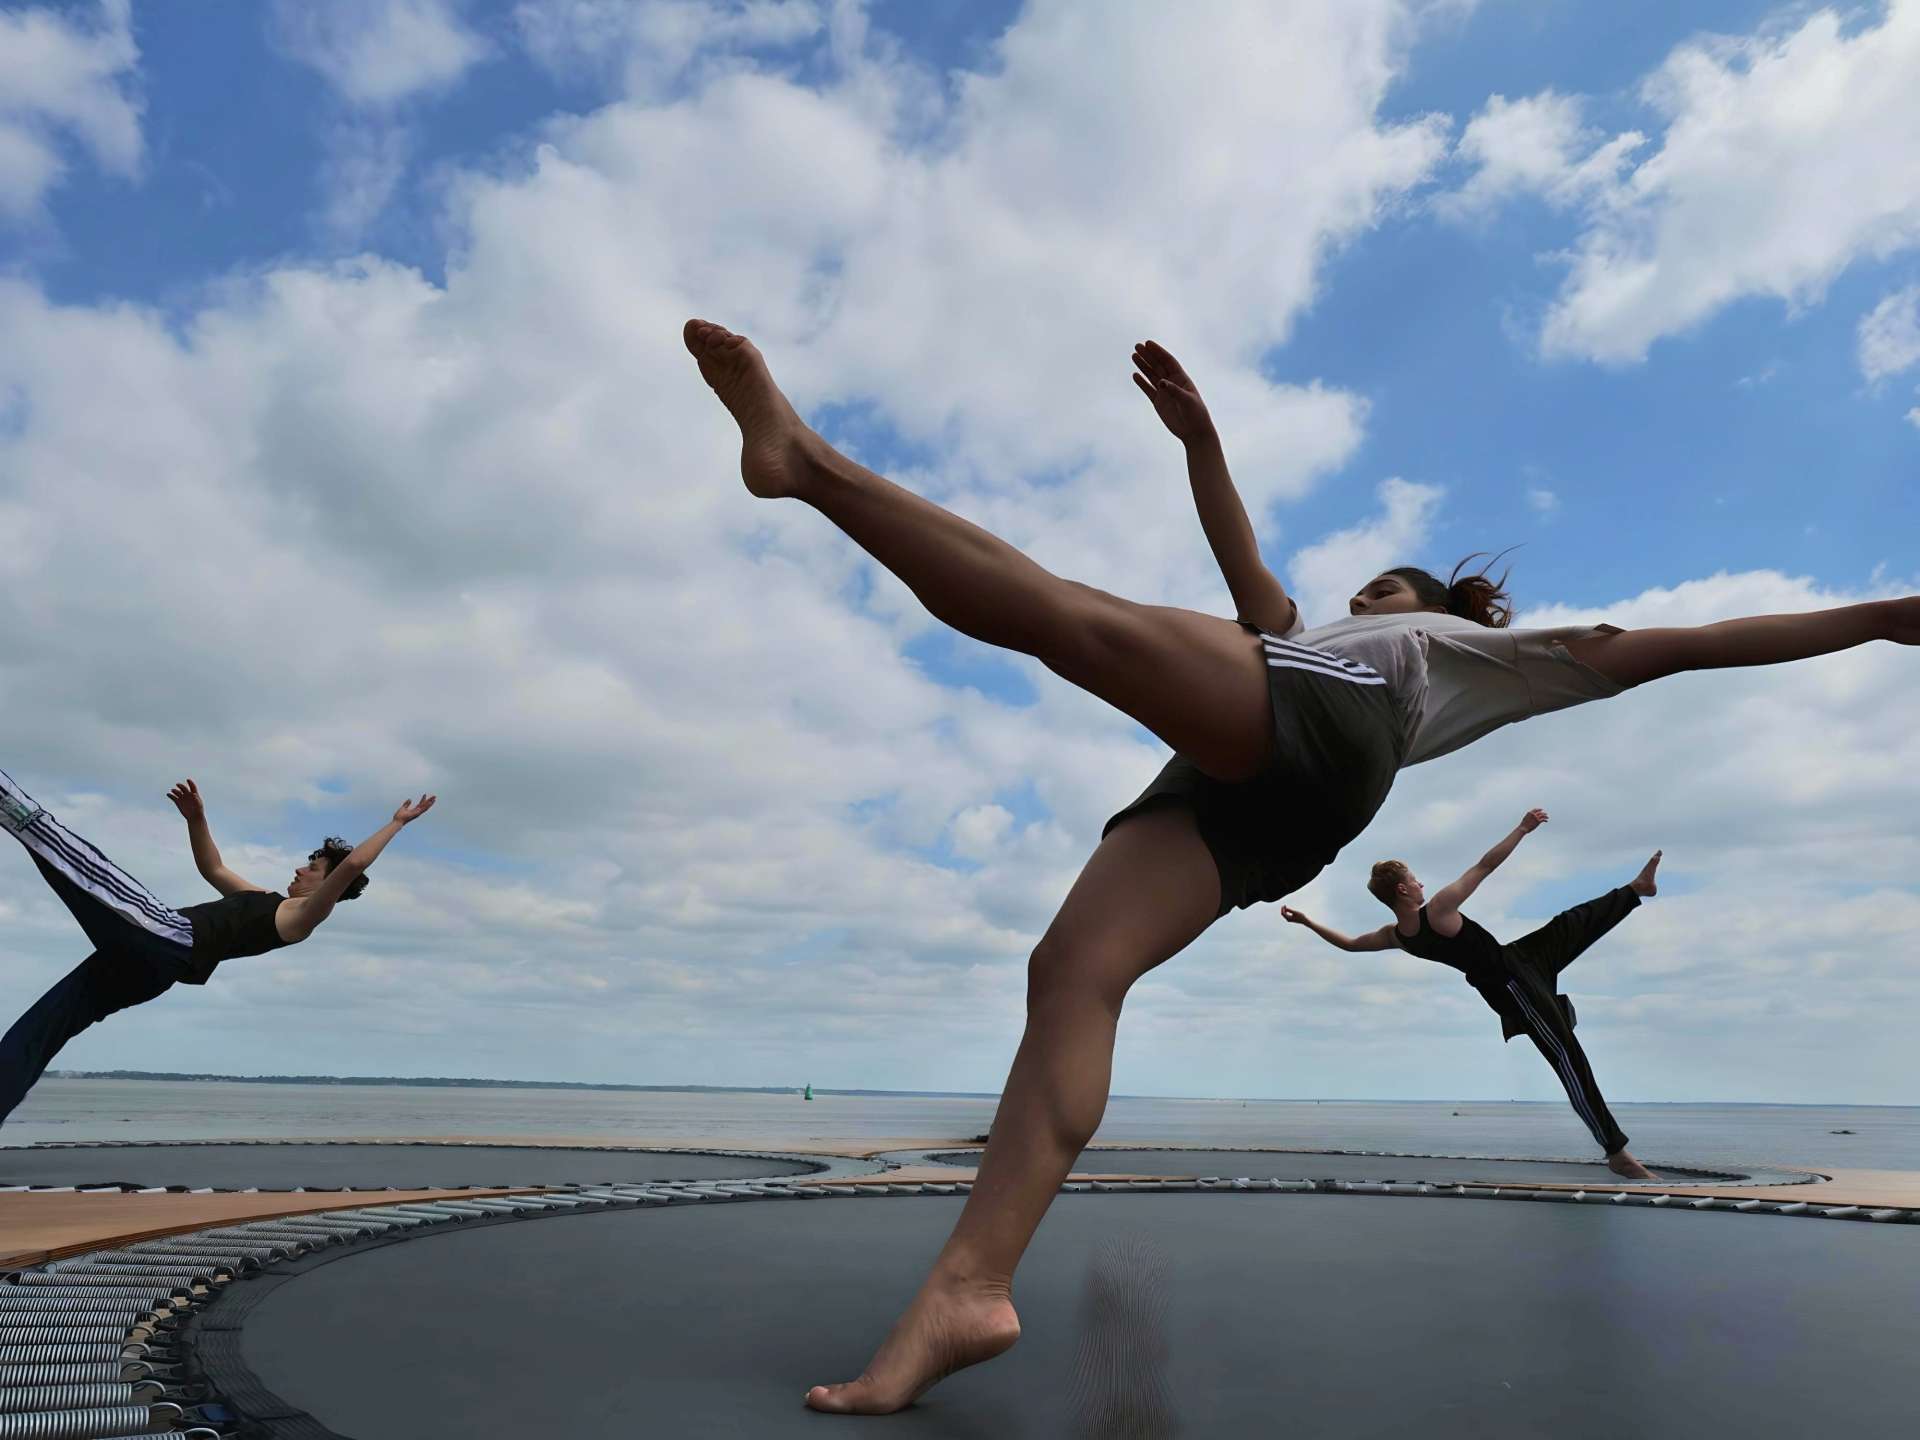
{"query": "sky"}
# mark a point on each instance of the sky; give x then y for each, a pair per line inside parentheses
(348, 449)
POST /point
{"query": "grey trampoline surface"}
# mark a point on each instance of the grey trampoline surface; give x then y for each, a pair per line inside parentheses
(366, 1166)
(1144, 1316)
(1338, 1165)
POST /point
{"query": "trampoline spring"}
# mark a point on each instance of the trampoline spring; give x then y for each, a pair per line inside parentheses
(53, 1287)
(129, 1274)
(314, 1238)
(386, 1215)
(73, 1373)
(36, 1334)
(156, 1262)
(61, 1354)
(24, 1399)
(101, 1423)
(55, 1304)
(258, 1248)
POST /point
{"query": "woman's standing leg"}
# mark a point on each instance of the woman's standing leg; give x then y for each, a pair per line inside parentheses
(1197, 681)
(1633, 657)
(1148, 891)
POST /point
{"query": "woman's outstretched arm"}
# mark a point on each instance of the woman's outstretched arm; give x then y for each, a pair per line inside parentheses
(1257, 592)
(1379, 939)
(317, 906)
(206, 855)
(1633, 657)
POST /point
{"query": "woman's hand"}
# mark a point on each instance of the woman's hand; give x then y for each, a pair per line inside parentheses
(411, 810)
(1293, 916)
(186, 799)
(1176, 399)
(1532, 821)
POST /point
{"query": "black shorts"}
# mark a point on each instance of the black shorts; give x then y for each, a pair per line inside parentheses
(1337, 746)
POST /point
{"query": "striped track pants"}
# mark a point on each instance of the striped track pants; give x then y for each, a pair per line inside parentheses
(105, 883)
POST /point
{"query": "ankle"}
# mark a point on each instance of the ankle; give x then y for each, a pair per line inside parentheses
(960, 1275)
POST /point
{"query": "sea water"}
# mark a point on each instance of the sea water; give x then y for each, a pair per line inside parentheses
(1880, 1138)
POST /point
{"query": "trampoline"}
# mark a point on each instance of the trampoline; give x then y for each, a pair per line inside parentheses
(1146, 1314)
(244, 1165)
(1364, 1165)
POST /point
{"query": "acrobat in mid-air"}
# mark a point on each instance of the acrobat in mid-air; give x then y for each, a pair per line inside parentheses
(142, 947)
(1519, 981)
(1286, 741)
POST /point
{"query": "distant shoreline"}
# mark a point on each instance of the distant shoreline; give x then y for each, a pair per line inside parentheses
(452, 1082)
(457, 1082)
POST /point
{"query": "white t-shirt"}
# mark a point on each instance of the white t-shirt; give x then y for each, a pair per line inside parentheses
(1454, 680)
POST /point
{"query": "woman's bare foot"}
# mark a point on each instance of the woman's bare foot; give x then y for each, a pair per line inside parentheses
(1621, 1163)
(774, 441)
(946, 1328)
(1642, 884)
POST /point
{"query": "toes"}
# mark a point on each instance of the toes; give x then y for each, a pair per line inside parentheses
(836, 1399)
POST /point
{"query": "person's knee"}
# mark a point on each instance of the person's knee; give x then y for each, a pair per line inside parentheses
(1065, 980)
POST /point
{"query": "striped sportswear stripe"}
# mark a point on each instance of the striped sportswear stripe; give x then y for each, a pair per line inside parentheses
(1569, 1076)
(1284, 654)
(83, 864)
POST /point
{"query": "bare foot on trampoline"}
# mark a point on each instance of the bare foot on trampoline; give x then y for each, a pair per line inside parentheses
(774, 440)
(1623, 1164)
(946, 1328)
(1642, 884)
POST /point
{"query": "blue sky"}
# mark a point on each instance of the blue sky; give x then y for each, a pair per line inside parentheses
(385, 311)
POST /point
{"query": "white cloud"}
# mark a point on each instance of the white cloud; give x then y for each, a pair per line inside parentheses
(1325, 574)
(1541, 500)
(651, 44)
(1889, 337)
(64, 78)
(381, 57)
(1539, 145)
(377, 53)
(1784, 157)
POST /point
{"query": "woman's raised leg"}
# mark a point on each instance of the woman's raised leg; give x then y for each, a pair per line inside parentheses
(1197, 681)
(1633, 657)
(1149, 889)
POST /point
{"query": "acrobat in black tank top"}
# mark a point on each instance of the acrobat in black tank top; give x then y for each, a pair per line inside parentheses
(1472, 952)
(229, 928)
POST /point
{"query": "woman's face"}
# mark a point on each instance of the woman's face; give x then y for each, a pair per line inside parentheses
(1387, 595)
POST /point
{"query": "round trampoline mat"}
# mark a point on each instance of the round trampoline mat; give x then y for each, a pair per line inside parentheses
(347, 1165)
(1346, 1165)
(1145, 1315)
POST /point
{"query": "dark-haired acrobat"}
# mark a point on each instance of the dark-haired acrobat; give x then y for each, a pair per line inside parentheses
(142, 947)
(1519, 981)
(1286, 742)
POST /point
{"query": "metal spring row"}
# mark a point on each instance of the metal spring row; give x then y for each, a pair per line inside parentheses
(62, 1335)
(90, 1272)
(73, 1373)
(106, 1422)
(165, 1259)
(54, 1290)
(27, 1306)
(196, 1249)
(68, 1354)
(20, 1399)
(102, 1277)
